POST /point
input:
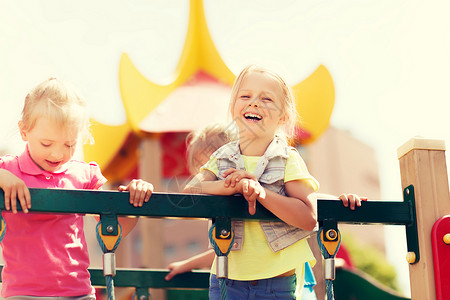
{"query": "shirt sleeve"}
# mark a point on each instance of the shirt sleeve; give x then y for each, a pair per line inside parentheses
(296, 170)
(7, 162)
(97, 178)
(211, 165)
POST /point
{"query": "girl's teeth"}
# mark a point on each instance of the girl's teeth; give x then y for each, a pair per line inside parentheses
(253, 116)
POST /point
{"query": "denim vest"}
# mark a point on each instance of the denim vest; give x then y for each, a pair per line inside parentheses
(270, 174)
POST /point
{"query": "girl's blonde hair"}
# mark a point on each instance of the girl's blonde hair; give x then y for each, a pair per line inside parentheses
(53, 99)
(288, 108)
(205, 141)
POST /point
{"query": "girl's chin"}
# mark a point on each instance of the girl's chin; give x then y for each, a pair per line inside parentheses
(253, 135)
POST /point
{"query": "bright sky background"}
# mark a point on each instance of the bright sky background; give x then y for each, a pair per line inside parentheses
(389, 60)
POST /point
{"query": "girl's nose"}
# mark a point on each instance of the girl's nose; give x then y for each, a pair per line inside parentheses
(57, 154)
(254, 103)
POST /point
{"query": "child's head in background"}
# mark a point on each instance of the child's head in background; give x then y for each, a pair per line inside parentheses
(54, 119)
(203, 142)
(271, 99)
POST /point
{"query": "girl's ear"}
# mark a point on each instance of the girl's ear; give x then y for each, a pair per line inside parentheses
(23, 133)
(283, 119)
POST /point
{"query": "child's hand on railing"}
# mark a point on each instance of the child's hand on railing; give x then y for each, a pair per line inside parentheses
(14, 189)
(140, 191)
(233, 176)
(252, 191)
(177, 267)
(351, 199)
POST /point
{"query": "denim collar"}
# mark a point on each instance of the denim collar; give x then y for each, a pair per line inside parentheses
(278, 147)
(231, 151)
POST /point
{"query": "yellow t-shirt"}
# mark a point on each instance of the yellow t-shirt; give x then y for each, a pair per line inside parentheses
(256, 260)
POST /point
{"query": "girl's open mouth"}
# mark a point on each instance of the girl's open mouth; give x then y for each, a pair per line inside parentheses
(53, 164)
(252, 116)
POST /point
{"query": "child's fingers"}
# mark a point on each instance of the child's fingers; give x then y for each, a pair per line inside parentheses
(22, 200)
(170, 275)
(227, 181)
(261, 194)
(171, 272)
(13, 199)
(353, 200)
(344, 199)
(252, 207)
(132, 189)
(141, 192)
(251, 196)
(7, 199)
(27, 197)
(251, 199)
(239, 177)
(358, 200)
(175, 270)
(236, 179)
(245, 187)
(149, 192)
(243, 175)
(229, 171)
(230, 180)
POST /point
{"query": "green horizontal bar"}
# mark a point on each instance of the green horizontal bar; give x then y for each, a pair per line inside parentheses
(203, 206)
(142, 278)
(150, 278)
(160, 204)
(193, 206)
(370, 212)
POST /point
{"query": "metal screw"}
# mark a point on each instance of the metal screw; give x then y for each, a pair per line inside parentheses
(331, 234)
(143, 297)
(224, 232)
(411, 257)
(110, 228)
(407, 191)
(446, 239)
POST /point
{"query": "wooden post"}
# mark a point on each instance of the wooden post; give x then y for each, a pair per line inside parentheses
(150, 169)
(422, 164)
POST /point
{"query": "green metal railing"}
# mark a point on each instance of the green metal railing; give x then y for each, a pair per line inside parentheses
(160, 204)
(110, 204)
(153, 278)
(356, 285)
(375, 212)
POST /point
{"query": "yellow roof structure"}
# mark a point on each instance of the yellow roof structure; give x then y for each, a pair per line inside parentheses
(202, 76)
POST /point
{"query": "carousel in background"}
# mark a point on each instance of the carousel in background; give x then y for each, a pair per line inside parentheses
(151, 143)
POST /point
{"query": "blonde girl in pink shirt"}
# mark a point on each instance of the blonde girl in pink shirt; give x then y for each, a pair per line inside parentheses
(46, 254)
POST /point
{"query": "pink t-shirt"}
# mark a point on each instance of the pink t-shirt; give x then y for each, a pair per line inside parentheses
(46, 254)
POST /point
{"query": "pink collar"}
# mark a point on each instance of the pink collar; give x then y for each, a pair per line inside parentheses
(28, 166)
